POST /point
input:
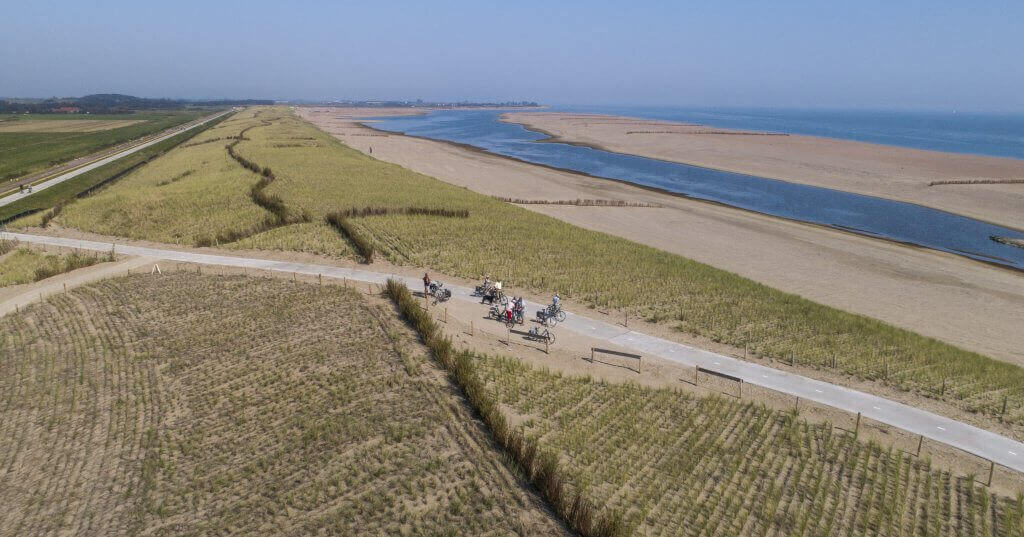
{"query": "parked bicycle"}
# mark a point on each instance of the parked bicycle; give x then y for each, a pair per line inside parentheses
(551, 315)
(497, 312)
(439, 292)
(542, 334)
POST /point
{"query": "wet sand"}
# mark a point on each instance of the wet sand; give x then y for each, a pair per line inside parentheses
(963, 302)
(874, 170)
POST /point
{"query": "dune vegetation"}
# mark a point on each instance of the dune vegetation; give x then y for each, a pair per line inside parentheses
(181, 404)
(25, 265)
(663, 462)
(278, 162)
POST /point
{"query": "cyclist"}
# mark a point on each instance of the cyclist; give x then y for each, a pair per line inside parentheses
(426, 284)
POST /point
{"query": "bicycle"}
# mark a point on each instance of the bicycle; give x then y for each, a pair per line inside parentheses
(438, 291)
(551, 315)
(545, 335)
(517, 318)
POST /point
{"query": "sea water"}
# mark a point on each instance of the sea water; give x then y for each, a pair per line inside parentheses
(866, 215)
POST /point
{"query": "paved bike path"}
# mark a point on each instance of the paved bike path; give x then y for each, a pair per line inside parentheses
(11, 198)
(1000, 449)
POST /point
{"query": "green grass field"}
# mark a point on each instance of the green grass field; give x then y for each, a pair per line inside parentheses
(314, 175)
(180, 404)
(49, 140)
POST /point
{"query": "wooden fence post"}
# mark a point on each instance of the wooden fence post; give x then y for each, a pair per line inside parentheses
(320, 279)
(856, 428)
(991, 470)
(920, 441)
(65, 288)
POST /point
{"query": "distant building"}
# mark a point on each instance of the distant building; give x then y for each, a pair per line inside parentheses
(67, 110)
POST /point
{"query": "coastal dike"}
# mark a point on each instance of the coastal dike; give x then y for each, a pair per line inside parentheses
(969, 304)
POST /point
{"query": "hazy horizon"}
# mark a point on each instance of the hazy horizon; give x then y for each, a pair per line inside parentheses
(804, 55)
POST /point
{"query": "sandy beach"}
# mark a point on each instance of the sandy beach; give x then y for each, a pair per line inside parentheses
(969, 304)
(874, 170)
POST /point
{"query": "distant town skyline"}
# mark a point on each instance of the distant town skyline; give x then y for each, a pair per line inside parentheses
(803, 54)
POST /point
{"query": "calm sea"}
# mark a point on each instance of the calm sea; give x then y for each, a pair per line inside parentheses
(855, 213)
(1000, 135)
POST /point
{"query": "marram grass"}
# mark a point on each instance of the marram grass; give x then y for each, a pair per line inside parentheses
(315, 175)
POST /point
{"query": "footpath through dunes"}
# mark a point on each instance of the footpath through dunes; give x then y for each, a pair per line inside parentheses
(981, 187)
(210, 405)
(671, 463)
(315, 176)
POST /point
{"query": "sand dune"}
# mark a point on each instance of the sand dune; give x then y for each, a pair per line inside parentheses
(970, 304)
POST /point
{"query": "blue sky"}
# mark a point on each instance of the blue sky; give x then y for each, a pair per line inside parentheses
(864, 54)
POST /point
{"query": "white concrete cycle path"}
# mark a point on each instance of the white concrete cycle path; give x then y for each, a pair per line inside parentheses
(994, 447)
(11, 198)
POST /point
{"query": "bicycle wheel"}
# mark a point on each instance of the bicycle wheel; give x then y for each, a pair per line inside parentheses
(560, 315)
(550, 336)
(550, 320)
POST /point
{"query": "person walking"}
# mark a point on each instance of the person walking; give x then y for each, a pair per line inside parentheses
(426, 284)
(508, 311)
